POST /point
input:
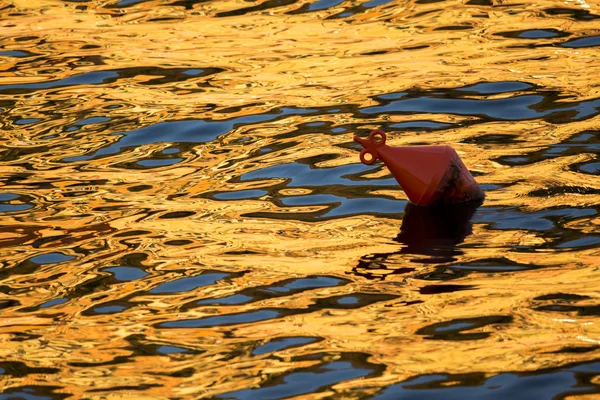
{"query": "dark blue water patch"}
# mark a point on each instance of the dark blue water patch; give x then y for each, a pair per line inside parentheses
(323, 4)
(514, 219)
(583, 142)
(511, 219)
(240, 194)
(108, 309)
(158, 162)
(521, 107)
(172, 350)
(533, 34)
(189, 283)
(193, 72)
(126, 274)
(8, 196)
(222, 320)
(284, 344)
(496, 87)
(516, 160)
(172, 150)
(88, 78)
(188, 131)
(592, 367)
(538, 34)
(228, 300)
(546, 384)
(162, 76)
(314, 124)
(458, 326)
(590, 168)
(87, 121)
(344, 207)
(7, 205)
(375, 3)
(50, 258)
(421, 125)
(514, 108)
(92, 120)
(582, 137)
(567, 214)
(557, 149)
(54, 302)
(302, 382)
(371, 205)
(562, 149)
(127, 3)
(584, 109)
(392, 96)
(586, 241)
(302, 175)
(588, 41)
(278, 289)
(98, 283)
(348, 300)
(490, 187)
(302, 284)
(455, 329)
(14, 53)
(27, 121)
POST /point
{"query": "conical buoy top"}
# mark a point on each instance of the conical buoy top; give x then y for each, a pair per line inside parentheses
(429, 175)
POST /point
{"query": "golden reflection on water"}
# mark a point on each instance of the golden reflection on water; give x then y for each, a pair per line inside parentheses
(273, 92)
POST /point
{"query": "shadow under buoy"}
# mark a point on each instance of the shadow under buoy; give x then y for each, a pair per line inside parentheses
(433, 232)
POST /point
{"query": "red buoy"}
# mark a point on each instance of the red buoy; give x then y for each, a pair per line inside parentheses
(429, 175)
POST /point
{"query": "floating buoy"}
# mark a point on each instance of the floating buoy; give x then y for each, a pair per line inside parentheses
(429, 175)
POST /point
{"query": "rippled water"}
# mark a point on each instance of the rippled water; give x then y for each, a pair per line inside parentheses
(184, 214)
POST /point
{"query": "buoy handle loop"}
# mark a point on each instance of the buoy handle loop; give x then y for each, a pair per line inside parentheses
(370, 146)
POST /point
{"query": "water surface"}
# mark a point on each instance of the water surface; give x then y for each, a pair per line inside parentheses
(184, 214)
